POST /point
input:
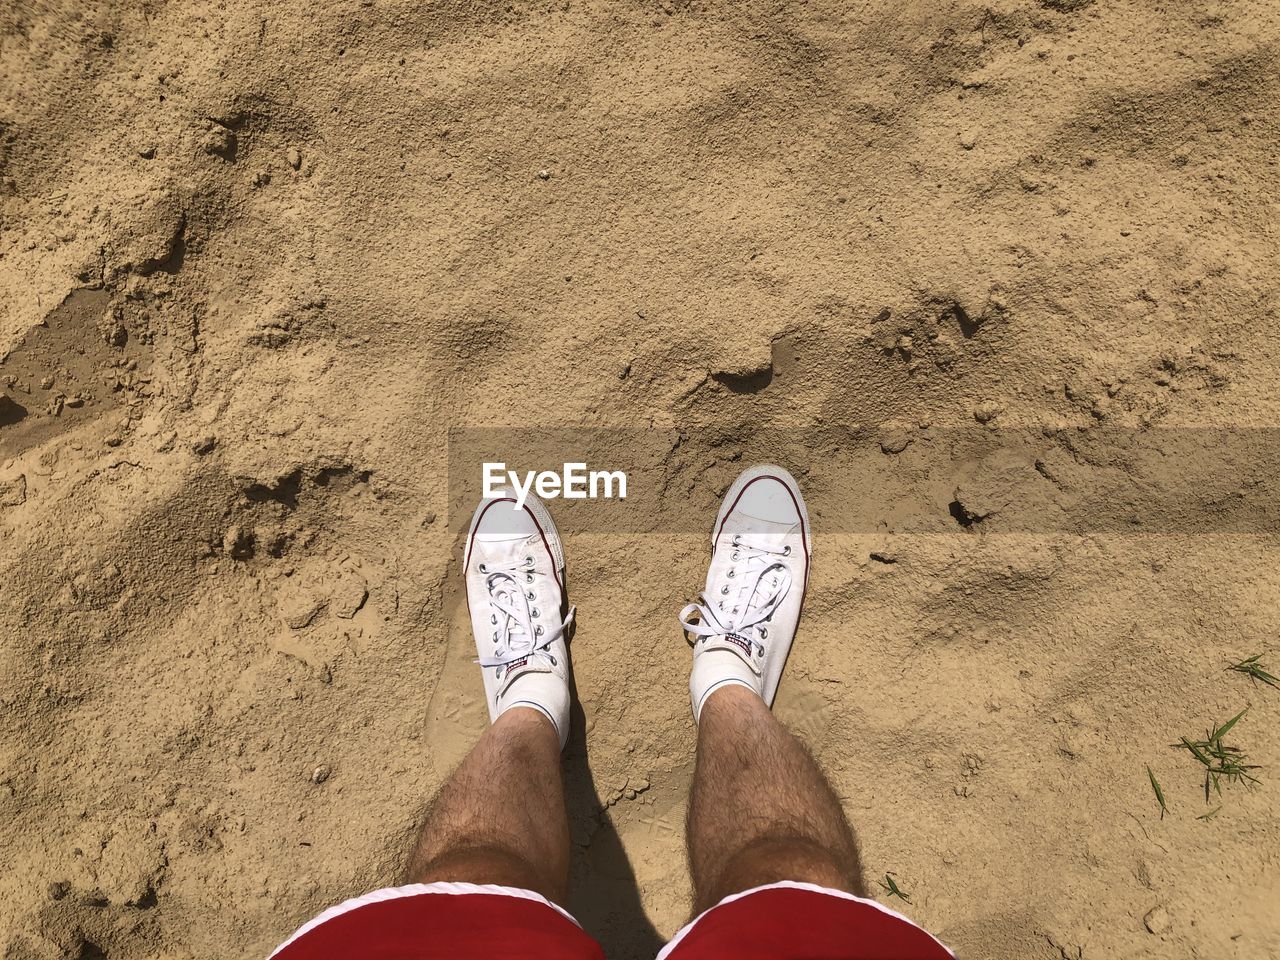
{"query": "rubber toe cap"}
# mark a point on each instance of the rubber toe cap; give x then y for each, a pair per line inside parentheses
(770, 499)
(502, 520)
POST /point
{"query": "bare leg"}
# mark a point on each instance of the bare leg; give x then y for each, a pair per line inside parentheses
(500, 818)
(760, 810)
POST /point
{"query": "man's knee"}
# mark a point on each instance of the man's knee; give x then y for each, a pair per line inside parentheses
(474, 863)
(773, 858)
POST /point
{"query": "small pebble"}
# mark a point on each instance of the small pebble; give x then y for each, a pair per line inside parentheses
(987, 411)
(321, 773)
(544, 174)
(220, 142)
(969, 139)
(294, 157)
(1157, 920)
(348, 598)
(59, 890)
(299, 611)
(894, 441)
(46, 383)
(204, 445)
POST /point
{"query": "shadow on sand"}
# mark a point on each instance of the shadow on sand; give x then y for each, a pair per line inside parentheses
(603, 893)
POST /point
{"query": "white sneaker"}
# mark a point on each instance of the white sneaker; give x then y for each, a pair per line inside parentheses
(515, 590)
(747, 616)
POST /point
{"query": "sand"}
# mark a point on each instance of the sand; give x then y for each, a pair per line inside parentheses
(996, 281)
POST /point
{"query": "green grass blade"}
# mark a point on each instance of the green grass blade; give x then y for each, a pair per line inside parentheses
(1195, 752)
(893, 889)
(1222, 730)
(1155, 785)
(1253, 668)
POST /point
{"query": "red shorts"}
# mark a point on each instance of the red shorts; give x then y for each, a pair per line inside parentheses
(463, 921)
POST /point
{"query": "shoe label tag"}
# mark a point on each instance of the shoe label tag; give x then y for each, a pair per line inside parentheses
(739, 640)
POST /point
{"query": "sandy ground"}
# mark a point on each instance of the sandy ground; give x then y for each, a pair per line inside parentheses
(259, 259)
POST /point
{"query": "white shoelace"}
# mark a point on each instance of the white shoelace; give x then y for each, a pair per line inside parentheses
(747, 614)
(515, 635)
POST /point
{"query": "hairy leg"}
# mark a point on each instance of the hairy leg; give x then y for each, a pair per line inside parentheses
(500, 818)
(760, 809)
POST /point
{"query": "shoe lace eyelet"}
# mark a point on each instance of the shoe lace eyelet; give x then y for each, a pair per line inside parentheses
(534, 612)
(531, 595)
(725, 589)
(735, 556)
(764, 633)
(737, 540)
(528, 561)
(493, 618)
(528, 578)
(786, 551)
(483, 568)
(537, 631)
(730, 574)
(553, 661)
